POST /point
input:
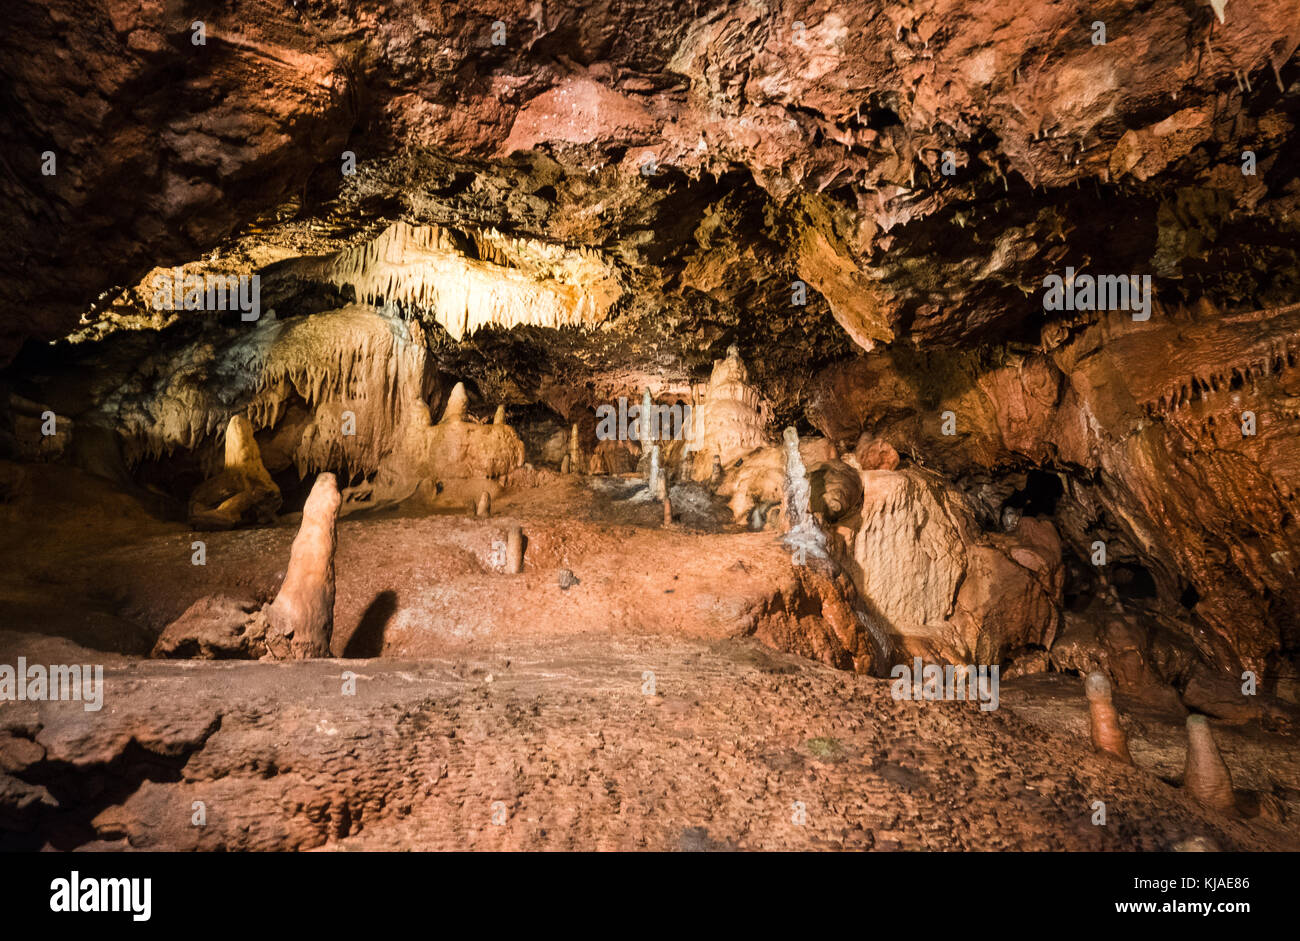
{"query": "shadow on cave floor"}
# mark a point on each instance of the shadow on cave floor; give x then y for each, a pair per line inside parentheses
(367, 639)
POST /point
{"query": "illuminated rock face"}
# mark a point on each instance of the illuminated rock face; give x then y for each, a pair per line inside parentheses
(360, 374)
(346, 389)
(728, 415)
(456, 448)
(530, 220)
(297, 625)
(942, 590)
(758, 480)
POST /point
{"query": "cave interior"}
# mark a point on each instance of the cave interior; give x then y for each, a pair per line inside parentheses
(590, 408)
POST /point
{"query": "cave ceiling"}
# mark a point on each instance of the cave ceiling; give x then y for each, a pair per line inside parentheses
(918, 167)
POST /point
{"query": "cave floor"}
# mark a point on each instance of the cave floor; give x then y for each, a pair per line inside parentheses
(408, 583)
(562, 747)
(630, 711)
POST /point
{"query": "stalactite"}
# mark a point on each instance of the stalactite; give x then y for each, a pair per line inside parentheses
(512, 282)
(352, 360)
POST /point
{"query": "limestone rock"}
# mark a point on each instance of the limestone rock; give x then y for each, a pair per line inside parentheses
(1103, 719)
(758, 477)
(498, 280)
(612, 457)
(216, 627)
(457, 449)
(875, 454)
(297, 625)
(1206, 777)
(939, 587)
(303, 611)
(243, 492)
(729, 417)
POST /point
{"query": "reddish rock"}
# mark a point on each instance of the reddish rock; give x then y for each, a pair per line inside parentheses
(875, 454)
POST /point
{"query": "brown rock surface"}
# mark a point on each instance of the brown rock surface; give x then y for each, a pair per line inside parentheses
(835, 219)
(1147, 417)
(1206, 777)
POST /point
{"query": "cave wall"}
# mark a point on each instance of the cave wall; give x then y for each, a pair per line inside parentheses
(1143, 423)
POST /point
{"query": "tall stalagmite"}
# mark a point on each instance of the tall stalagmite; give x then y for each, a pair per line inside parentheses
(303, 612)
(1206, 777)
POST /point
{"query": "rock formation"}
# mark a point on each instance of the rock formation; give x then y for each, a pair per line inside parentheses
(216, 627)
(303, 612)
(577, 464)
(1206, 776)
(514, 550)
(802, 534)
(1029, 294)
(612, 457)
(728, 415)
(243, 492)
(297, 625)
(457, 403)
(1148, 418)
(455, 448)
(465, 285)
(759, 478)
(875, 454)
(940, 587)
(654, 473)
(1103, 720)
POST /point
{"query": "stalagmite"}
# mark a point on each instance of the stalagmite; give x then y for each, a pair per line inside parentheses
(716, 475)
(645, 432)
(514, 550)
(803, 536)
(728, 416)
(566, 465)
(575, 451)
(668, 510)
(652, 481)
(242, 453)
(797, 504)
(456, 404)
(243, 491)
(500, 417)
(484, 507)
(1206, 776)
(303, 612)
(1107, 736)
